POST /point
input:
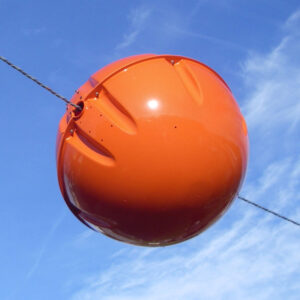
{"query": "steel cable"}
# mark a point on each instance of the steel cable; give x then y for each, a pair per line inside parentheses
(79, 108)
(39, 83)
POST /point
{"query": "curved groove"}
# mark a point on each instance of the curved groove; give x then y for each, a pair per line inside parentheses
(116, 113)
(91, 149)
(189, 81)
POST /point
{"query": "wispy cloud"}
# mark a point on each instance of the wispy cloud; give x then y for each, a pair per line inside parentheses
(274, 82)
(210, 38)
(293, 21)
(137, 18)
(42, 249)
(33, 31)
(83, 237)
(44, 245)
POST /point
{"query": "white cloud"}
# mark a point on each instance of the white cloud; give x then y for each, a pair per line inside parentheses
(40, 253)
(274, 83)
(248, 254)
(210, 38)
(44, 244)
(137, 18)
(33, 31)
(292, 22)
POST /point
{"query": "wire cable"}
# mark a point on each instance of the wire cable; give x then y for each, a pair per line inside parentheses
(39, 83)
(79, 108)
(268, 210)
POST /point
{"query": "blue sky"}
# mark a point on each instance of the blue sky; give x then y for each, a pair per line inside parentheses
(46, 253)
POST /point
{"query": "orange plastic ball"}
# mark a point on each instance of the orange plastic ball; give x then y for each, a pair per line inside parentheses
(157, 153)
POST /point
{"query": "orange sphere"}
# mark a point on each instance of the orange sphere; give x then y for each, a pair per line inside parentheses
(157, 153)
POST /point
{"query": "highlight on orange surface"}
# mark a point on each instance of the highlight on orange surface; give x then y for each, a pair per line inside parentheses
(158, 152)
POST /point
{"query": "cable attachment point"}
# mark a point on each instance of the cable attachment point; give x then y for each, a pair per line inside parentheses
(78, 108)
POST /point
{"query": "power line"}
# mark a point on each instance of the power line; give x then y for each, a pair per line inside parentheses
(269, 211)
(78, 107)
(39, 83)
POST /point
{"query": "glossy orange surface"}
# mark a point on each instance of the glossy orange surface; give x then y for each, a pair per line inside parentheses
(158, 152)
